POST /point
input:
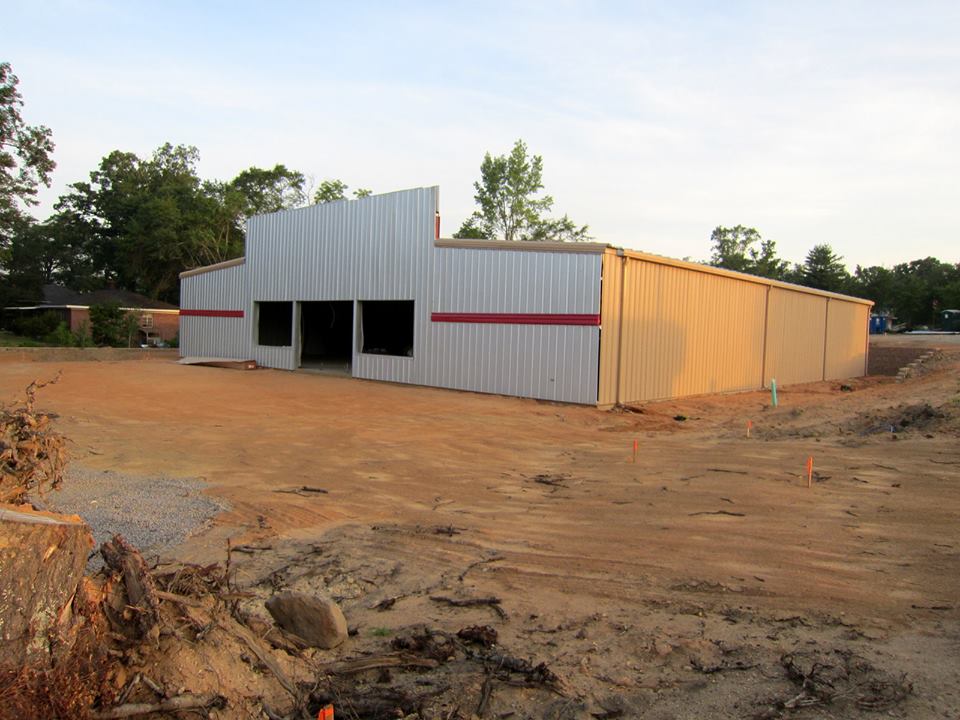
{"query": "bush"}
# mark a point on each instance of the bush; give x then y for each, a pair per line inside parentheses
(81, 337)
(37, 326)
(61, 336)
(112, 326)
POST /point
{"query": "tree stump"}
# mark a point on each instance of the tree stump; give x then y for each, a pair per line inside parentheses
(42, 561)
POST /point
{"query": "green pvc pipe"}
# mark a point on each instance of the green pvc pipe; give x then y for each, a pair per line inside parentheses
(773, 391)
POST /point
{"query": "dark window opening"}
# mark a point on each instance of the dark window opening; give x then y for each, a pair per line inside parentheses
(326, 333)
(275, 324)
(387, 327)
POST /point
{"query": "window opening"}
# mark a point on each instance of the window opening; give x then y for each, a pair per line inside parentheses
(275, 324)
(387, 327)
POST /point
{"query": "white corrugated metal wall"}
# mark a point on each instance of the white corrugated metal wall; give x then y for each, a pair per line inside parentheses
(225, 290)
(375, 248)
(546, 361)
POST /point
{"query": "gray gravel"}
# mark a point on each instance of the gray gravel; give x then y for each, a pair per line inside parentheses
(151, 512)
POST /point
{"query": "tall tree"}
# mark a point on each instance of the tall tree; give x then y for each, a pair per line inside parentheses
(330, 191)
(824, 269)
(25, 160)
(146, 220)
(511, 206)
(267, 191)
(742, 249)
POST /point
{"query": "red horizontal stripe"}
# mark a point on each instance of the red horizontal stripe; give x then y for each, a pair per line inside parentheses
(212, 313)
(517, 318)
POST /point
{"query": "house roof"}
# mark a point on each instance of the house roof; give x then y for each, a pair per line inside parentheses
(57, 295)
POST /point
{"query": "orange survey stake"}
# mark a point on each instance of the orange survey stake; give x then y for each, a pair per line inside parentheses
(810, 471)
(326, 713)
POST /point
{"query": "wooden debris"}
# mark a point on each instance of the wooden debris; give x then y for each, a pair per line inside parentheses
(251, 549)
(471, 566)
(718, 512)
(305, 490)
(125, 560)
(32, 453)
(493, 602)
(480, 634)
(175, 704)
(42, 583)
(375, 662)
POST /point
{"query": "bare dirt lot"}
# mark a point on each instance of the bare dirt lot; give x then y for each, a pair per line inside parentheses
(705, 579)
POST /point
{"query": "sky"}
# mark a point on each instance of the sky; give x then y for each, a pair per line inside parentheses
(814, 122)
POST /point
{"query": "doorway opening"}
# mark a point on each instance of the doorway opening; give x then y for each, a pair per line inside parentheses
(326, 335)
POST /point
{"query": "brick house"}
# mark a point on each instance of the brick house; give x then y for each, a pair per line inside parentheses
(159, 321)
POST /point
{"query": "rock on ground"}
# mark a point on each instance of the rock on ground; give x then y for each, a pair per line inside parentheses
(315, 618)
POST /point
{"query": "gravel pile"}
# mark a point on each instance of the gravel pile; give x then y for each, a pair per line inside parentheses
(151, 512)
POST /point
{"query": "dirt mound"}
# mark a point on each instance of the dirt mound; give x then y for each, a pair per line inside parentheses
(920, 417)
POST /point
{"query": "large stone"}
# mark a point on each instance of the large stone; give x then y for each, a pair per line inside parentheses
(315, 618)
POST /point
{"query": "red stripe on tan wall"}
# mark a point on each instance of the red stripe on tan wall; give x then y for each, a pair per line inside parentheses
(212, 313)
(517, 318)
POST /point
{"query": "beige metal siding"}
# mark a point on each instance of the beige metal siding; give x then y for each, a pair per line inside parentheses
(796, 328)
(611, 287)
(847, 327)
(688, 333)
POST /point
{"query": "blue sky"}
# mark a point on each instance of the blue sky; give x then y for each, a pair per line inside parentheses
(833, 122)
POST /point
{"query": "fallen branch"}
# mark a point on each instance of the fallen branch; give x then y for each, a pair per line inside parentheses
(180, 599)
(251, 549)
(724, 470)
(124, 559)
(375, 662)
(303, 490)
(472, 565)
(485, 693)
(719, 512)
(174, 704)
(257, 649)
(493, 602)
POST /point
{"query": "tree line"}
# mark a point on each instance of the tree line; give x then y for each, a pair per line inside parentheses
(137, 222)
(914, 292)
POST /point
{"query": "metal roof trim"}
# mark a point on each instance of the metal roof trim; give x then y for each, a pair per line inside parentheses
(710, 270)
(522, 245)
(212, 268)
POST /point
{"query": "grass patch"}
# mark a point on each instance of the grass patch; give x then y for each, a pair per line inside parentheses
(9, 339)
(381, 632)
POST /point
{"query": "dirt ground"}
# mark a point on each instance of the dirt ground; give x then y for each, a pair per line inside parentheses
(689, 583)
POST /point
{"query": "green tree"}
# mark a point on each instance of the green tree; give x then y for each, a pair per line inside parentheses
(330, 191)
(742, 249)
(511, 206)
(362, 193)
(267, 191)
(824, 269)
(25, 156)
(873, 283)
(143, 221)
(471, 230)
(731, 247)
(112, 326)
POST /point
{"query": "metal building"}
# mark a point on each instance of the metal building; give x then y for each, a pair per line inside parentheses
(366, 287)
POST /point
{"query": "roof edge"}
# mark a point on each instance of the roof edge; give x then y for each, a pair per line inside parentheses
(733, 274)
(522, 245)
(212, 268)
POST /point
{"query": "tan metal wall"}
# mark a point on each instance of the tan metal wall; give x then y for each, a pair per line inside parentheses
(671, 329)
(796, 330)
(611, 286)
(847, 328)
(686, 333)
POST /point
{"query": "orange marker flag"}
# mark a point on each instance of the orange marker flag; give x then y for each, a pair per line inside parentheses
(326, 713)
(749, 427)
(810, 471)
(635, 442)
